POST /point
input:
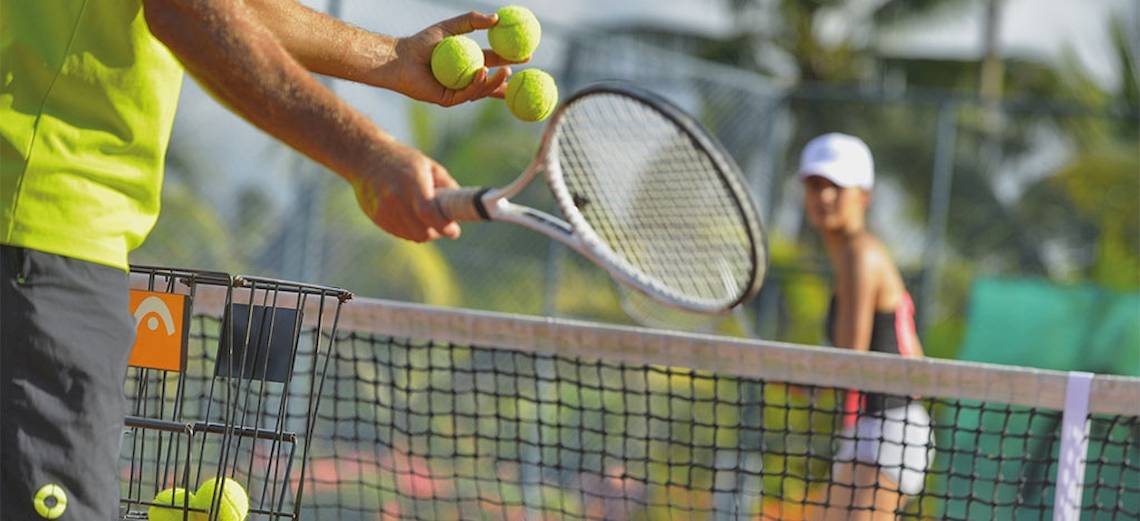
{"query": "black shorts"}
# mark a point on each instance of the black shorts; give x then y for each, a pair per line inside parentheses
(65, 337)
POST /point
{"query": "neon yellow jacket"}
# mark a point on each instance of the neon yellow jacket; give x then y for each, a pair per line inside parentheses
(87, 101)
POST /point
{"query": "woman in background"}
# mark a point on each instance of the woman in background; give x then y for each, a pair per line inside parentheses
(885, 445)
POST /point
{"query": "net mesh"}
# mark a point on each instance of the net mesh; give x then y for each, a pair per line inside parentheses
(439, 414)
(659, 199)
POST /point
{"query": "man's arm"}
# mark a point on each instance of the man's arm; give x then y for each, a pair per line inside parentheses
(329, 46)
(235, 57)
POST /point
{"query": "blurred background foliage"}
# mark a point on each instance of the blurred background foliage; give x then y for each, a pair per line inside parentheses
(1044, 182)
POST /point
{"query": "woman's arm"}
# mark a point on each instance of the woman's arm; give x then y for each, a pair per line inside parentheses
(858, 278)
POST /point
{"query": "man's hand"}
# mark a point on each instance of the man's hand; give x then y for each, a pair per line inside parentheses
(398, 194)
(329, 46)
(411, 69)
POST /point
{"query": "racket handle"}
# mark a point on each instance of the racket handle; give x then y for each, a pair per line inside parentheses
(462, 204)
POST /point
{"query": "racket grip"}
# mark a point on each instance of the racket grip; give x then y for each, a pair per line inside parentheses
(462, 204)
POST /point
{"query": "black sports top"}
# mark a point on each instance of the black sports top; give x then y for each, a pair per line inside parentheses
(891, 333)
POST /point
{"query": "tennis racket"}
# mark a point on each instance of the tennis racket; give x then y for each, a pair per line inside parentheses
(644, 192)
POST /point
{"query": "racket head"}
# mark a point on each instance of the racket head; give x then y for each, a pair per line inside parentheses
(654, 199)
(649, 312)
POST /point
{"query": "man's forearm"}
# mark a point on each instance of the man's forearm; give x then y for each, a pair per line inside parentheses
(248, 69)
(327, 45)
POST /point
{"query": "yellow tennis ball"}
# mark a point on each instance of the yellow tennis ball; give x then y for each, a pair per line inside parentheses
(176, 499)
(455, 60)
(517, 33)
(531, 95)
(233, 505)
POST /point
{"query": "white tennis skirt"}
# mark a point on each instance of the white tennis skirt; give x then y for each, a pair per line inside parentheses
(900, 441)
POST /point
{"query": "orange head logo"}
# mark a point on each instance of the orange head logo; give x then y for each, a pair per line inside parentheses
(160, 330)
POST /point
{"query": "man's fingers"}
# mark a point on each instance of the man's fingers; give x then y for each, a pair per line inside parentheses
(490, 59)
(473, 90)
(451, 231)
(440, 178)
(498, 83)
(406, 223)
(427, 208)
(429, 213)
(484, 85)
(399, 224)
(412, 227)
(466, 23)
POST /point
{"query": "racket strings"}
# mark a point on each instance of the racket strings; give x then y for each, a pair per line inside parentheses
(656, 197)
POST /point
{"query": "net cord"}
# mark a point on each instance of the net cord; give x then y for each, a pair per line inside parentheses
(749, 358)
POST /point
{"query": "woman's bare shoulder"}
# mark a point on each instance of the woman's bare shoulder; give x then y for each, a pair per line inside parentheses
(868, 251)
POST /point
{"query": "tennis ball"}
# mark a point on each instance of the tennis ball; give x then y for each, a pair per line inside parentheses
(176, 498)
(455, 60)
(531, 95)
(517, 33)
(232, 506)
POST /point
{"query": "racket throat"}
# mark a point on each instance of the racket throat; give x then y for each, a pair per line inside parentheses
(548, 221)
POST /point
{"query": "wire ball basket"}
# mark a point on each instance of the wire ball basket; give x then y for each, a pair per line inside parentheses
(223, 386)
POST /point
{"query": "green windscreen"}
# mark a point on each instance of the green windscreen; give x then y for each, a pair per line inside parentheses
(1034, 323)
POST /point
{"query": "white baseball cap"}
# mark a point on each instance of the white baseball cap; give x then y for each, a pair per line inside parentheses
(842, 159)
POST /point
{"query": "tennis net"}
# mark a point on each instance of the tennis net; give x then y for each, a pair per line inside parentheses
(434, 413)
